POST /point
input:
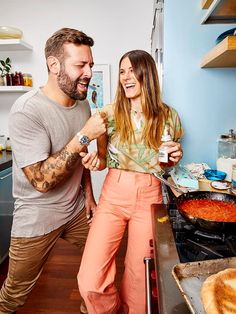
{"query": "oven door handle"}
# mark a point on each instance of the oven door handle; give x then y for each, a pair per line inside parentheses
(147, 262)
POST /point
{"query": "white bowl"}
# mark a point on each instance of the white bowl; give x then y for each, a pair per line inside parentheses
(8, 32)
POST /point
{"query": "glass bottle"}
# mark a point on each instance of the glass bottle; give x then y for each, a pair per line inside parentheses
(9, 79)
(226, 153)
(163, 155)
(8, 145)
(2, 142)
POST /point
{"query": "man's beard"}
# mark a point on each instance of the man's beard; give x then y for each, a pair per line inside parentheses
(69, 87)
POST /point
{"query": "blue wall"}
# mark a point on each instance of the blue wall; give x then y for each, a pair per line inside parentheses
(204, 98)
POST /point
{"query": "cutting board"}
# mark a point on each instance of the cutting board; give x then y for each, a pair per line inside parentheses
(204, 185)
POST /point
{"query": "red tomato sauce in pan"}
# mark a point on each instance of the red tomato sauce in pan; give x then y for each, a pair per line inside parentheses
(213, 210)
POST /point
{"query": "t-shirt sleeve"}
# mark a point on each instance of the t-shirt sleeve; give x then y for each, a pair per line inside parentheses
(30, 143)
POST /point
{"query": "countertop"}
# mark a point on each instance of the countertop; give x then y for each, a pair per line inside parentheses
(5, 160)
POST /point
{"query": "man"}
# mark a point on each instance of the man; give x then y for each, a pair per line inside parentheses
(49, 127)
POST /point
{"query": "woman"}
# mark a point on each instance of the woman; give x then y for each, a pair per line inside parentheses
(136, 122)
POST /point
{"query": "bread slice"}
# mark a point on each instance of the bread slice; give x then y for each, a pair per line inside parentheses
(218, 292)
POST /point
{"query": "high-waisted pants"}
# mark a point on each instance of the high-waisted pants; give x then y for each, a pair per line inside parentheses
(126, 198)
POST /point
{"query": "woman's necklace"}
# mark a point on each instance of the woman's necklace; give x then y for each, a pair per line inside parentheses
(137, 118)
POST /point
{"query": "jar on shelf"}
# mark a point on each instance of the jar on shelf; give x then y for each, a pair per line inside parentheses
(28, 81)
(2, 142)
(8, 144)
(226, 153)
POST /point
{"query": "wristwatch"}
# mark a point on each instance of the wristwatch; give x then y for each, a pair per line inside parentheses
(83, 139)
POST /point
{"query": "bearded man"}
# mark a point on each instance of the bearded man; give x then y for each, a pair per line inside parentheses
(49, 127)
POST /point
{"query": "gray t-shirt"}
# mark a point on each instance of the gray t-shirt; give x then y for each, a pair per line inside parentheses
(38, 128)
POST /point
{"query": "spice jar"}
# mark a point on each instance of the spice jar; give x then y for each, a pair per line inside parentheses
(2, 142)
(28, 81)
(8, 145)
(226, 153)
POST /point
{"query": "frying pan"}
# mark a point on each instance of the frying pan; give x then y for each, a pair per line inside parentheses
(203, 224)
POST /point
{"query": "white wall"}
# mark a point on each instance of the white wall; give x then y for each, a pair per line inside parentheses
(116, 27)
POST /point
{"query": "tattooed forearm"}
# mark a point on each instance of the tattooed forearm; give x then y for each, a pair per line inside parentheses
(71, 161)
(45, 175)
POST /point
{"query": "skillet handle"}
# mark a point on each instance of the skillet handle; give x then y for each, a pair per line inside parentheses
(180, 190)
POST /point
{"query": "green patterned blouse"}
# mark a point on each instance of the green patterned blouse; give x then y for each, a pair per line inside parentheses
(137, 157)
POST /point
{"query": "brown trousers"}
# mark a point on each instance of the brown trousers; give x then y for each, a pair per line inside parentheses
(27, 257)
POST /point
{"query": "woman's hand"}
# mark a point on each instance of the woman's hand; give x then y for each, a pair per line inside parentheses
(174, 150)
(90, 160)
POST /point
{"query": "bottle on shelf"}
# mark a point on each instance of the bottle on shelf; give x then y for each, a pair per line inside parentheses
(8, 144)
(2, 142)
(18, 79)
(163, 155)
(9, 79)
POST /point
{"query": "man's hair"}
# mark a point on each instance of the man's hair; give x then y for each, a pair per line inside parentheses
(54, 44)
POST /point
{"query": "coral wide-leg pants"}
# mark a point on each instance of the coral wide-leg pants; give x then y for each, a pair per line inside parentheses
(126, 198)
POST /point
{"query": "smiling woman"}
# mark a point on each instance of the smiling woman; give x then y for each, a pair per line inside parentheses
(136, 120)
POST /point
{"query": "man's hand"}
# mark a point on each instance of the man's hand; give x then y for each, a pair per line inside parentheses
(90, 207)
(95, 126)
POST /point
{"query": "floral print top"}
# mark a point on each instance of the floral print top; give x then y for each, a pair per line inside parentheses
(137, 157)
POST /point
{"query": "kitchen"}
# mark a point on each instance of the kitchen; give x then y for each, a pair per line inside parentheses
(203, 97)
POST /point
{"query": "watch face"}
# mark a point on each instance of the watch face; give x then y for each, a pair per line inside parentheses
(84, 140)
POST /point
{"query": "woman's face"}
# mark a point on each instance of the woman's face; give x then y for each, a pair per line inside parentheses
(128, 80)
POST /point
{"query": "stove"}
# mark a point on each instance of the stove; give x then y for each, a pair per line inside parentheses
(195, 245)
(178, 241)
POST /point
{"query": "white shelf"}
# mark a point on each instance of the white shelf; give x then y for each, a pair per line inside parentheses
(14, 89)
(220, 12)
(14, 45)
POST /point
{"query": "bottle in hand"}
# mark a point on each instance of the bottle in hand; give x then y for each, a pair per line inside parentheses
(163, 155)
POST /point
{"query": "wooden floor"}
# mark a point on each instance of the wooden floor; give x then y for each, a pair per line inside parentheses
(56, 291)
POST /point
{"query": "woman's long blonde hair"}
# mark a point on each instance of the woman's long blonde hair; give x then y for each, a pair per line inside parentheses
(153, 109)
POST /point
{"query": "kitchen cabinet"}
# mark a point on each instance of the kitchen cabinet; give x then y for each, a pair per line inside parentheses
(6, 211)
(224, 53)
(12, 45)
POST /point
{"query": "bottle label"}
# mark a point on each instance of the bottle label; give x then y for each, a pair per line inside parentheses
(163, 156)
